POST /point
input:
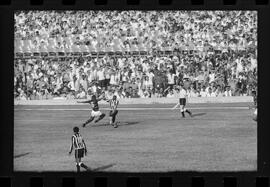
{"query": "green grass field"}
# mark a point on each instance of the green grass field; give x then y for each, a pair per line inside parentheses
(150, 138)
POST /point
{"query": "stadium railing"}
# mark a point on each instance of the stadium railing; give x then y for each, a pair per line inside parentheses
(235, 99)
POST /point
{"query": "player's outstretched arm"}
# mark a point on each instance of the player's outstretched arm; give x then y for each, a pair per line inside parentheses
(84, 101)
(175, 106)
(99, 99)
(85, 149)
(71, 147)
(167, 89)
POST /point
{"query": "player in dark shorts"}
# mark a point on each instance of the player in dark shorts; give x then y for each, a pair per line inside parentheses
(113, 112)
(77, 142)
(95, 110)
(182, 102)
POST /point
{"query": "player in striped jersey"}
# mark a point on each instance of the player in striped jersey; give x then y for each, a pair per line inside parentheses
(182, 102)
(113, 112)
(95, 110)
(77, 142)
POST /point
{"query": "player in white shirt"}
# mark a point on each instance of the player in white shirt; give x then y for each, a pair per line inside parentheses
(182, 102)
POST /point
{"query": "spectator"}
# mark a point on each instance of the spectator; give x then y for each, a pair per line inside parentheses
(81, 94)
(170, 94)
(211, 93)
(203, 92)
(218, 50)
(228, 92)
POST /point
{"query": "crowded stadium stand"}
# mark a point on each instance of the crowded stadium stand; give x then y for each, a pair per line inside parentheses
(134, 54)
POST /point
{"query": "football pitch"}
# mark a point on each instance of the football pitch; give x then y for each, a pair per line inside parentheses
(150, 138)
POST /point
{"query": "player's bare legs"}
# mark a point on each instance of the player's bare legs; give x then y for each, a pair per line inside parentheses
(113, 120)
(187, 111)
(113, 117)
(183, 110)
(88, 121)
(81, 164)
(77, 164)
(100, 117)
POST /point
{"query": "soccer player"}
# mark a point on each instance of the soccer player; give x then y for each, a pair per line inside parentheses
(95, 110)
(254, 95)
(80, 148)
(113, 112)
(182, 101)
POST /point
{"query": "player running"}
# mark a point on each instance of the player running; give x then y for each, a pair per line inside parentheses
(80, 148)
(113, 112)
(182, 102)
(95, 110)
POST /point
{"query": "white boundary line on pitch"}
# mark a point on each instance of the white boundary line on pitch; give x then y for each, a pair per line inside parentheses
(88, 109)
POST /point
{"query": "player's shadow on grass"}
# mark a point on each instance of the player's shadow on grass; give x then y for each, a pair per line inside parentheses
(198, 114)
(121, 123)
(124, 123)
(21, 155)
(103, 167)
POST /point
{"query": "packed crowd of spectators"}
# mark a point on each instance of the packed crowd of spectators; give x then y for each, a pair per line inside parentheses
(222, 62)
(211, 75)
(130, 30)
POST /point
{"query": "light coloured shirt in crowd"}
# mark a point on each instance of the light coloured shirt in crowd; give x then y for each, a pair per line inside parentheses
(171, 78)
(86, 69)
(212, 94)
(154, 95)
(146, 67)
(81, 95)
(140, 93)
(228, 93)
(94, 88)
(71, 85)
(220, 94)
(107, 74)
(113, 79)
(107, 94)
(93, 74)
(100, 75)
(239, 67)
(133, 75)
(253, 63)
(193, 93)
(148, 84)
(211, 77)
(146, 94)
(150, 75)
(117, 94)
(58, 82)
(203, 93)
(84, 84)
(120, 63)
(125, 76)
(170, 95)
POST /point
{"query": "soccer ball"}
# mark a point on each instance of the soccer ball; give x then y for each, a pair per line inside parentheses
(255, 115)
